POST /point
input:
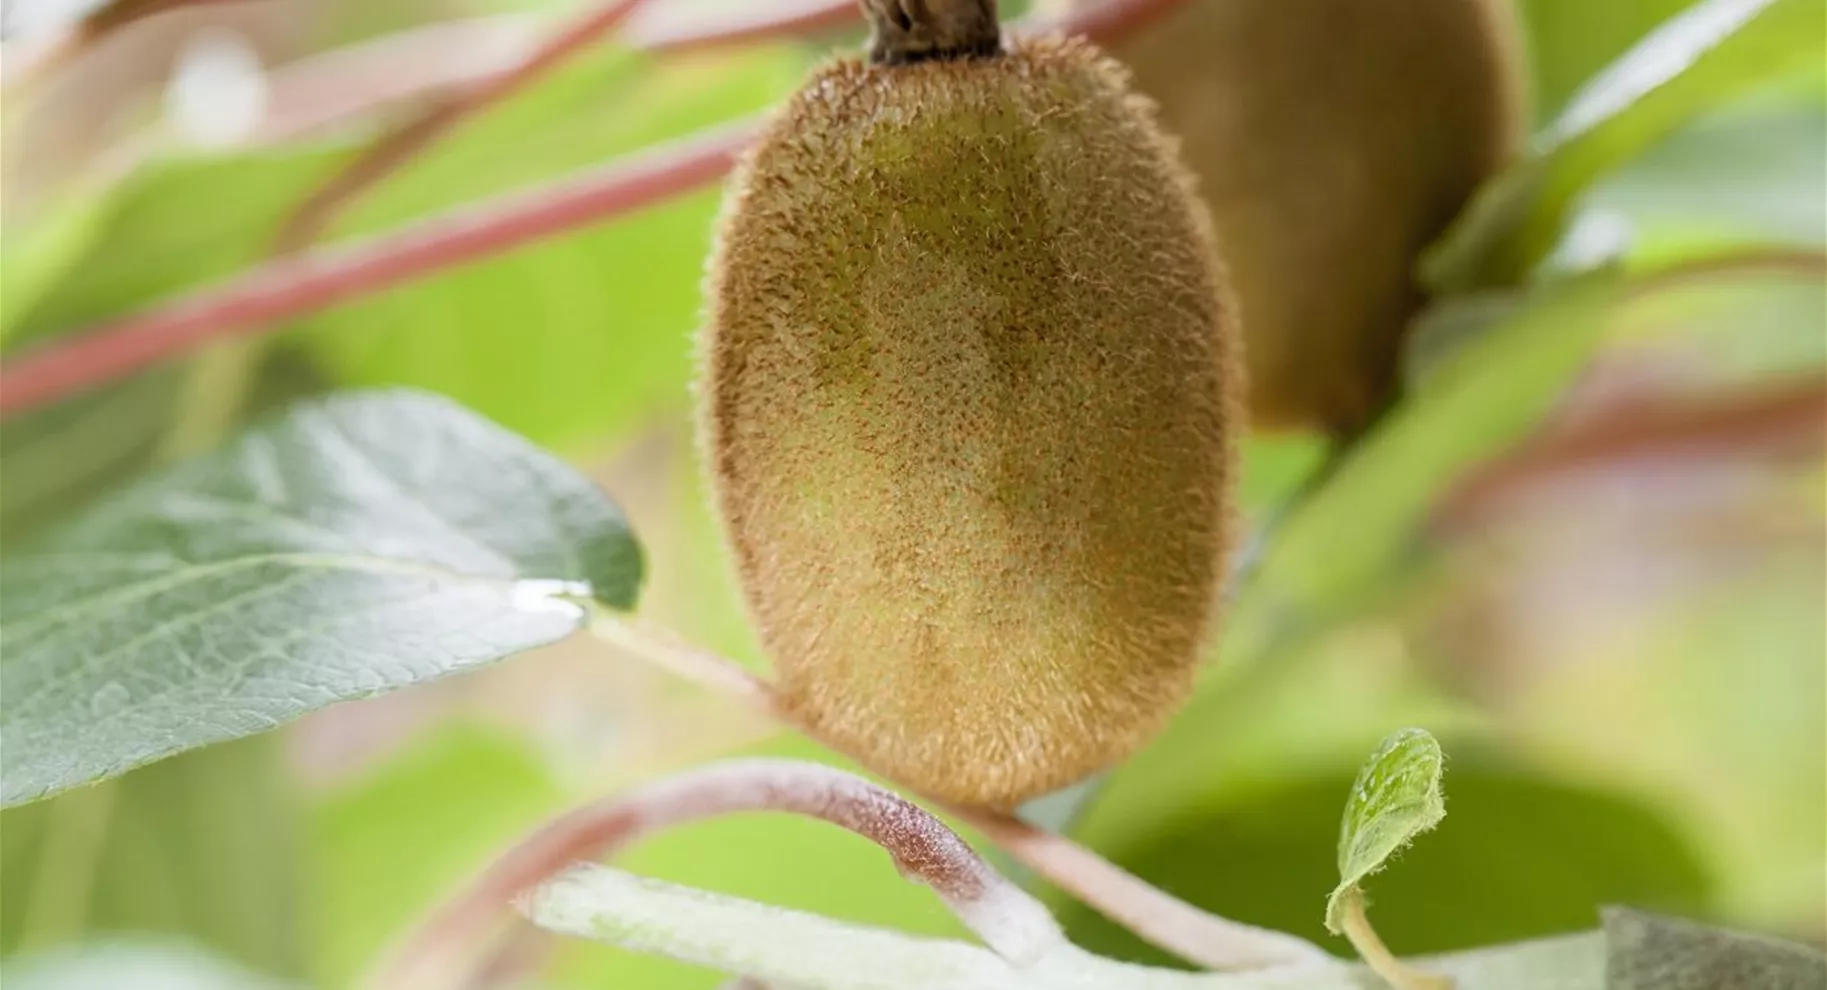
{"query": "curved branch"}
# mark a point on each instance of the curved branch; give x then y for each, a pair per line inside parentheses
(1008, 920)
(291, 287)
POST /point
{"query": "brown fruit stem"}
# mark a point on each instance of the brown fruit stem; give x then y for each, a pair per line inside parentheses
(906, 31)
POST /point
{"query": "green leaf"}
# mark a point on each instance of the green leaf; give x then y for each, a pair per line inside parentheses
(1345, 545)
(1651, 953)
(360, 544)
(205, 847)
(1395, 798)
(142, 964)
(1713, 52)
(1571, 40)
(1237, 810)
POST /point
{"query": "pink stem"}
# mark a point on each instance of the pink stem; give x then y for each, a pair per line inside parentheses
(1157, 917)
(1782, 417)
(778, 19)
(291, 287)
(1008, 920)
(1153, 915)
(400, 146)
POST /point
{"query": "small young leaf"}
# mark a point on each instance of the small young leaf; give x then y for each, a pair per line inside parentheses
(1697, 61)
(357, 545)
(1396, 797)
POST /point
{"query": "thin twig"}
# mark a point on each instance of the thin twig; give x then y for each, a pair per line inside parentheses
(1163, 920)
(290, 287)
(1775, 418)
(661, 30)
(1008, 920)
(401, 145)
(1157, 917)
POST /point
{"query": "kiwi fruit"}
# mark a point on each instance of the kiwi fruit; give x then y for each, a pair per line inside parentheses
(968, 405)
(1334, 140)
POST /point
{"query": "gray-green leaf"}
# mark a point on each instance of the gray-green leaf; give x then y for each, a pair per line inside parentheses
(1699, 60)
(1396, 797)
(357, 545)
(1651, 953)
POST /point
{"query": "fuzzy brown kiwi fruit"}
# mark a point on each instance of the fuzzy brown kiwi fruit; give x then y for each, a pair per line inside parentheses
(1334, 140)
(968, 407)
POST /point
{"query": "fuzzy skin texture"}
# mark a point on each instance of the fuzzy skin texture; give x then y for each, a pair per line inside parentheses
(968, 405)
(1334, 140)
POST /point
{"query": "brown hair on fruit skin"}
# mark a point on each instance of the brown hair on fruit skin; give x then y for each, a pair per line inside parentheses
(1334, 140)
(968, 408)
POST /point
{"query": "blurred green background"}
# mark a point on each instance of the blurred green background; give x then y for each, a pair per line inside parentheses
(1623, 653)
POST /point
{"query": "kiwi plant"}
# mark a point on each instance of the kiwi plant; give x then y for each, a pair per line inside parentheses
(970, 393)
(1334, 140)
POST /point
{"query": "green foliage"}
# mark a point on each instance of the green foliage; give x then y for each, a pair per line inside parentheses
(1264, 856)
(1395, 798)
(366, 543)
(1714, 51)
(358, 544)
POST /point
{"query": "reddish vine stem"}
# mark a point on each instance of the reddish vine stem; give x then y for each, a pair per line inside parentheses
(792, 19)
(292, 286)
(1765, 420)
(1009, 921)
(401, 145)
(1157, 917)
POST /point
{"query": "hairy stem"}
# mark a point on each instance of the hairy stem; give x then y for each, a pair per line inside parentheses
(1008, 920)
(1377, 956)
(1157, 917)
